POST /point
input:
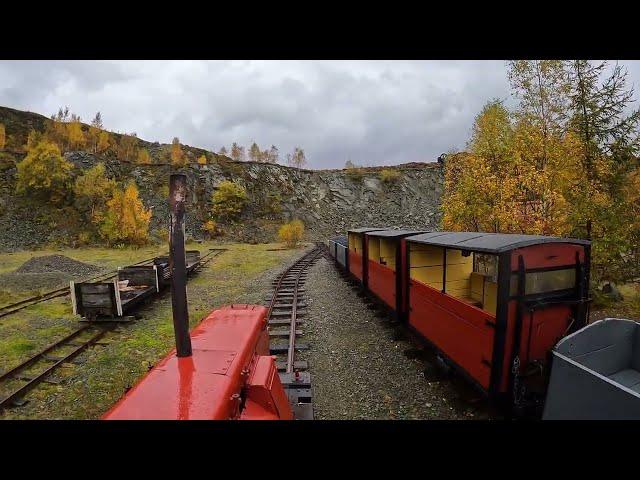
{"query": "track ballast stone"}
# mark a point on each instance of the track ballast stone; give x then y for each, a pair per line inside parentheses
(359, 366)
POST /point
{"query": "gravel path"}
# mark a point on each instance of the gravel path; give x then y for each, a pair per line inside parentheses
(363, 366)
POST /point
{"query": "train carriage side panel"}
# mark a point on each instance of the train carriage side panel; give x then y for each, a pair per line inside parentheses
(382, 282)
(548, 267)
(462, 332)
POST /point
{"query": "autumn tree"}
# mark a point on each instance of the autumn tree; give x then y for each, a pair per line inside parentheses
(223, 150)
(296, 159)
(44, 172)
(273, 154)
(202, 159)
(104, 142)
(3, 138)
(237, 152)
(33, 138)
(126, 219)
(255, 154)
(143, 157)
(75, 136)
(95, 129)
(127, 147)
(228, 200)
(291, 233)
(92, 189)
(178, 158)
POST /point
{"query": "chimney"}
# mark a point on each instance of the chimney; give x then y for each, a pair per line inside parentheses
(178, 264)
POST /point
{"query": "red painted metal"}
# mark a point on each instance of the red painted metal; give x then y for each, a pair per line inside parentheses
(458, 329)
(541, 329)
(230, 353)
(547, 255)
(382, 282)
(355, 264)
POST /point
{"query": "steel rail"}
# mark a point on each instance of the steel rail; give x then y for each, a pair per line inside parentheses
(33, 382)
(294, 312)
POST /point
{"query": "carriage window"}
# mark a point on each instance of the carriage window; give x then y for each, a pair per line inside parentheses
(547, 281)
(486, 265)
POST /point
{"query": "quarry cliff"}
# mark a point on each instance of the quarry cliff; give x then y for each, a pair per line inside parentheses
(327, 201)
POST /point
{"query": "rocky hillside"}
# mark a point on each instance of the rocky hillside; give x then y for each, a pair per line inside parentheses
(328, 201)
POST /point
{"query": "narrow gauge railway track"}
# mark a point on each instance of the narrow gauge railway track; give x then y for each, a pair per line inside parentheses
(286, 307)
(58, 292)
(22, 378)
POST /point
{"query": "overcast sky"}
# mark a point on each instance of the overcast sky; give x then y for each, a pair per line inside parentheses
(372, 112)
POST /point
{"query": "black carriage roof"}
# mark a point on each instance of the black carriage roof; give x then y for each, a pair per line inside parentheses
(488, 242)
(395, 233)
(364, 229)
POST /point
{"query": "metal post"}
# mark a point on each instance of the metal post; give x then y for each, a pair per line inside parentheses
(178, 264)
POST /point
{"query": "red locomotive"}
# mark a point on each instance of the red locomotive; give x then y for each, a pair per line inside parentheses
(229, 376)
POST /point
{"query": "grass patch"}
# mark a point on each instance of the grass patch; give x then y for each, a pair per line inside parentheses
(90, 389)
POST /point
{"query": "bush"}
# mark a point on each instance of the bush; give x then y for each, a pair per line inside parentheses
(388, 175)
(211, 228)
(229, 200)
(291, 233)
(45, 172)
(202, 160)
(355, 173)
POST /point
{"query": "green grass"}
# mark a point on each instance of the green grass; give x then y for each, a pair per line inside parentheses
(89, 389)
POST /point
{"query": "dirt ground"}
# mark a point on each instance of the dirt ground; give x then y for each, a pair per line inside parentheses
(365, 366)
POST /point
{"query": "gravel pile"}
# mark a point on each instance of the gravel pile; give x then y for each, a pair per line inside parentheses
(57, 264)
(363, 366)
(46, 272)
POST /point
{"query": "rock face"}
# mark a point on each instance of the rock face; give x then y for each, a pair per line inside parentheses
(327, 201)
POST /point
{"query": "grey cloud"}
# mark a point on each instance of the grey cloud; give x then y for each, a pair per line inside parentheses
(372, 112)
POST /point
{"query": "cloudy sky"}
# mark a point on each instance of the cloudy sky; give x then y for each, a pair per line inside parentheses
(371, 112)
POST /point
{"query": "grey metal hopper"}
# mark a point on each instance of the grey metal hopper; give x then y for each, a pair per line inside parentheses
(596, 373)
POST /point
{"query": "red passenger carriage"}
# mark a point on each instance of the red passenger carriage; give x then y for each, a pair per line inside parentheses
(386, 260)
(494, 305)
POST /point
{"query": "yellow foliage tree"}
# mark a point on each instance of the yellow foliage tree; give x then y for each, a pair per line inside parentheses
(228, 200)
(75, 136)
(128, 147)
(211, 227)
(3, 138)
(92, 190)
(126, 219)
(202, 160)
(44, 172)
(143, 157)
(177, 155)
(387, 175)
(291, 233)
(104, 142)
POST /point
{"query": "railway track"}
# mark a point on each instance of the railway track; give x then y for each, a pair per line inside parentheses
(286, 309)
(58, 292)
(39, 368)
(24, 377)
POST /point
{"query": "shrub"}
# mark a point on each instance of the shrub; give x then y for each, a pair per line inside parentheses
(143, 157)
(43, 171)
(229, 200)
(387, 175)
(126, 219)
(211, 227)
(202, 160)
(291, 233)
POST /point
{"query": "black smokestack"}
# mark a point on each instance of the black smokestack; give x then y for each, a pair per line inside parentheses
(178, 264)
